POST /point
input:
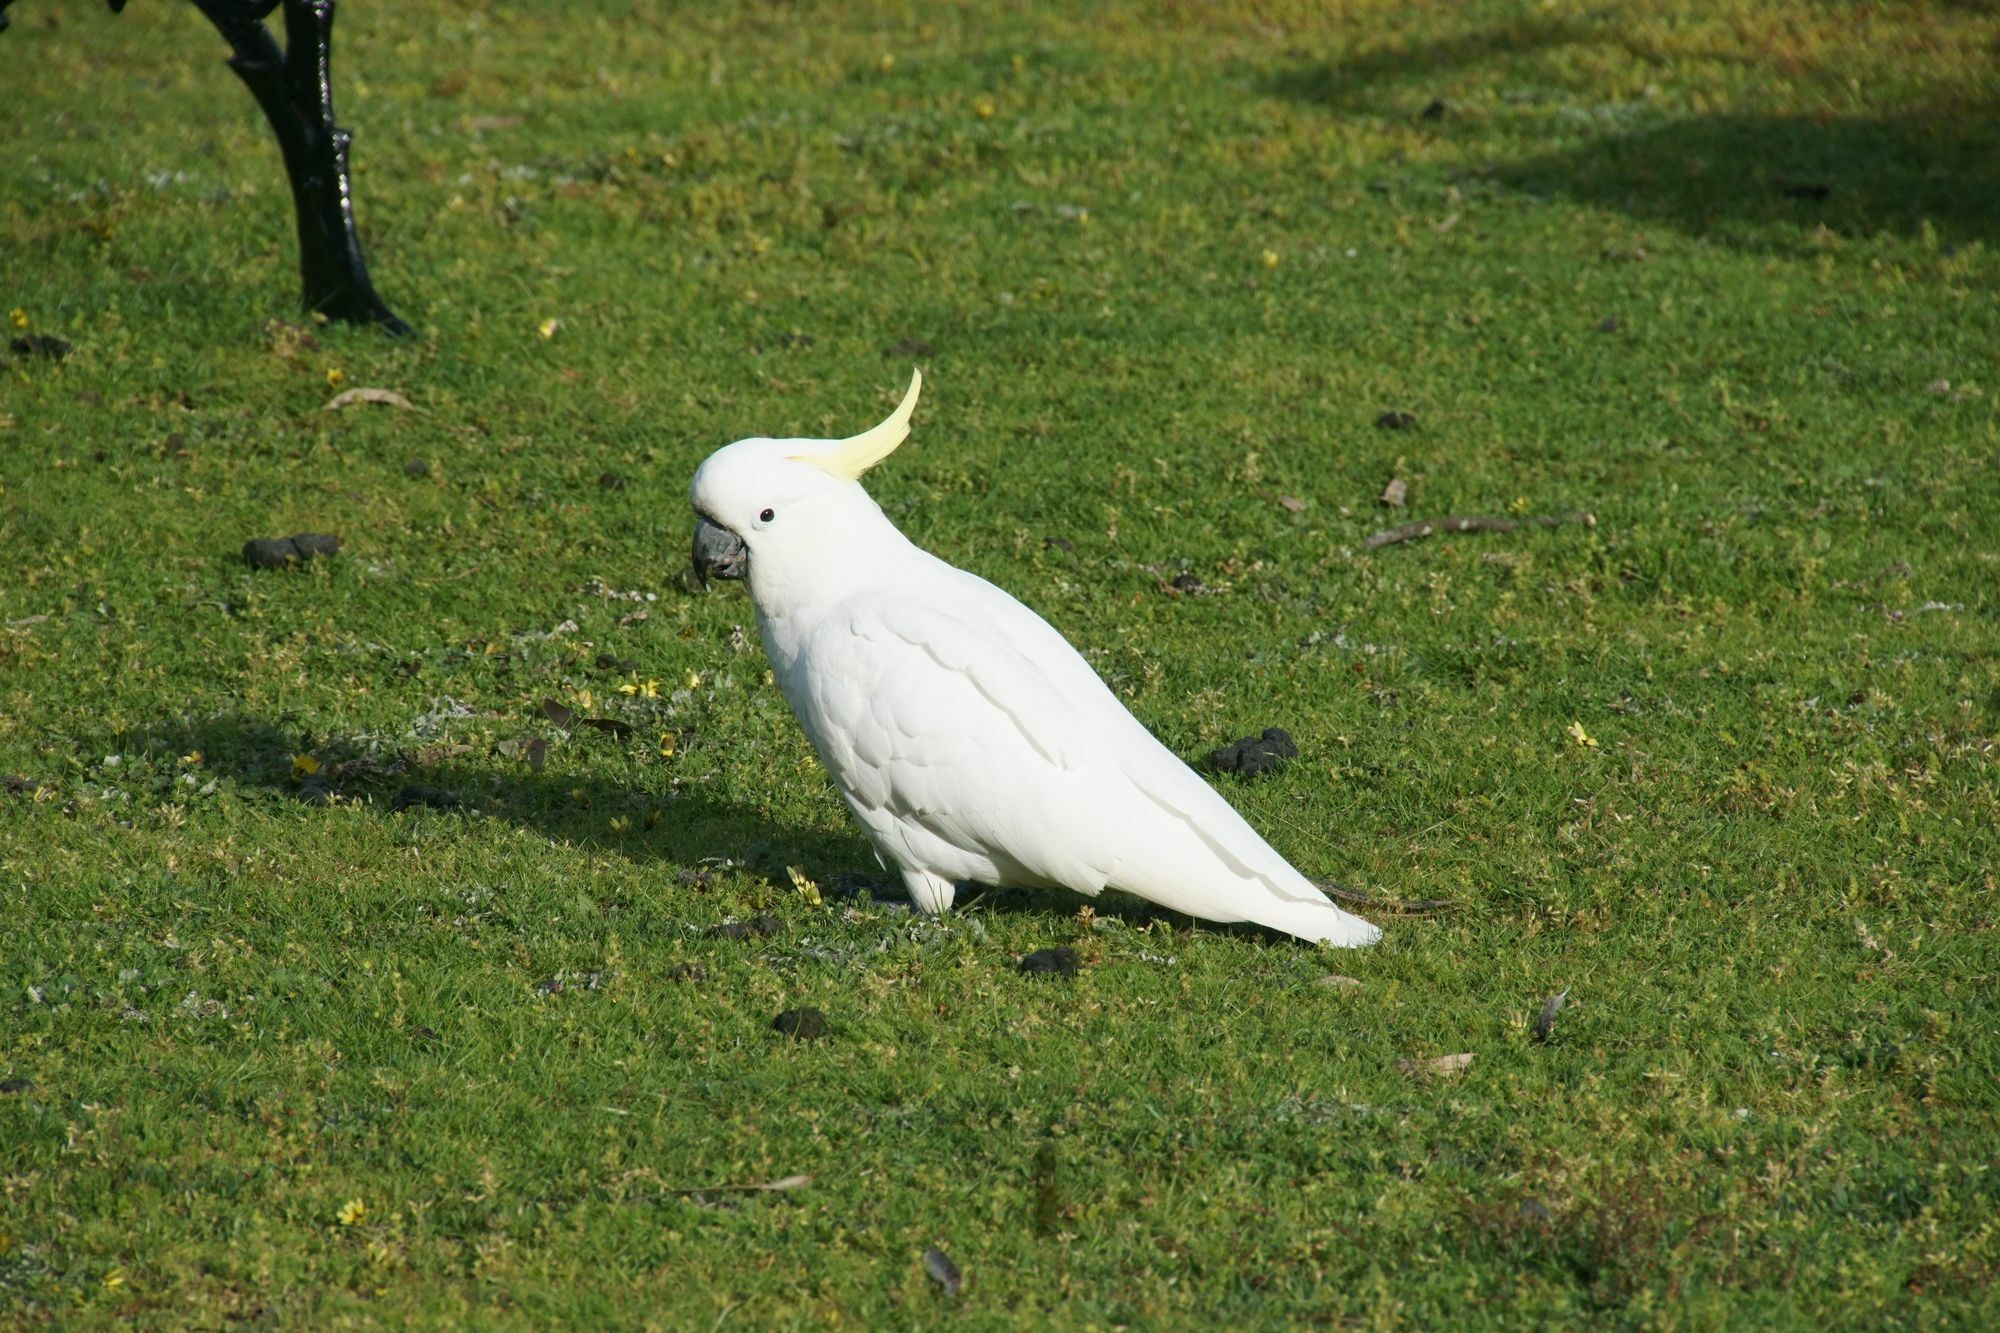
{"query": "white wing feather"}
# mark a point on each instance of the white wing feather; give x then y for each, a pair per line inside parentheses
(972, 741)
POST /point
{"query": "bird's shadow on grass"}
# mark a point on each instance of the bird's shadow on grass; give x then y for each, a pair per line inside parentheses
(686, 831)
(1753, 181)
(291, 766)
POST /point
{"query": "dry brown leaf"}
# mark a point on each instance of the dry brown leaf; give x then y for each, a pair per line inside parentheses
(1292, 502)
(386, 397)
(1437, 1064)
(1395, 493)
(427, 756)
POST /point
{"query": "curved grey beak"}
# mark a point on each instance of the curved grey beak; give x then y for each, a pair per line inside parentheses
(718, 553)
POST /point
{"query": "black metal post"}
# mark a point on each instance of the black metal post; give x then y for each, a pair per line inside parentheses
(295, 89)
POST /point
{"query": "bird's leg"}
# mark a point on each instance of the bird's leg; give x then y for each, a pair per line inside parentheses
(930, 893)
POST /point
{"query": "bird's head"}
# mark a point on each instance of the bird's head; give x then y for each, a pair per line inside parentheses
(789, 511)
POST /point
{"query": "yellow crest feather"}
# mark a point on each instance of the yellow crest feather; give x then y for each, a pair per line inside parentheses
(849, 458)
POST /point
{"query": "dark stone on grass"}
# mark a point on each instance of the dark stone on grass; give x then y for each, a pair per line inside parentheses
(270, 552)
(688, 973)
(416, 467)
(1057, 962)
(40, 344)
(1609, 324)
(802, 1024)
(942, 1270)
(1395, 421)
(1436, 110)
(624, 666)
(1187, 583)
(1815, 191)
(1254, 756)
(314, 791)
(611, 481)
(760, 927)
(610, 725)
(12, 1085)
(1058, 544)
(278, 552)
(428, 798)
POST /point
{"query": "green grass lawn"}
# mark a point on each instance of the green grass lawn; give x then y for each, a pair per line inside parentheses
(1721, 765)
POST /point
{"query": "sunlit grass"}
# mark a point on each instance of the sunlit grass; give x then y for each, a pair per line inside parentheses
(350, 975)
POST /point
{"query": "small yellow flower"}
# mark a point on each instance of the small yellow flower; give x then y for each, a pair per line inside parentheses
(114, 1279)
(583, 698)
(352, 1212)
(1581, 737)
(1518, 505)
(694, 680)
(628, 688)
(1270, 259)
(192, 757)
(620, 824)
(547, 328)
(18, 317)
(650, 690)
(335, 377)
(803, 883)
(886, 62)
(303, 767)
(667, 745)
(982, 107)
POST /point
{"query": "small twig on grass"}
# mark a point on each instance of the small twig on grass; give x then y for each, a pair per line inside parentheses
(1424, 527)
(762, 1187)
(1393, 906)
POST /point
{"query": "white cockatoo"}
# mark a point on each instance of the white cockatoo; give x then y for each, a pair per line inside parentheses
(974, 744)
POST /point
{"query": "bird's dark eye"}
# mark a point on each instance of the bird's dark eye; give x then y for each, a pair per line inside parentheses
(767, 516)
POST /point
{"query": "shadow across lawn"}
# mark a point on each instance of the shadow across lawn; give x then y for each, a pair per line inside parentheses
(1755, 181)
(1751, 180)
(685, 827)
(686, 830)
(1376, 77)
